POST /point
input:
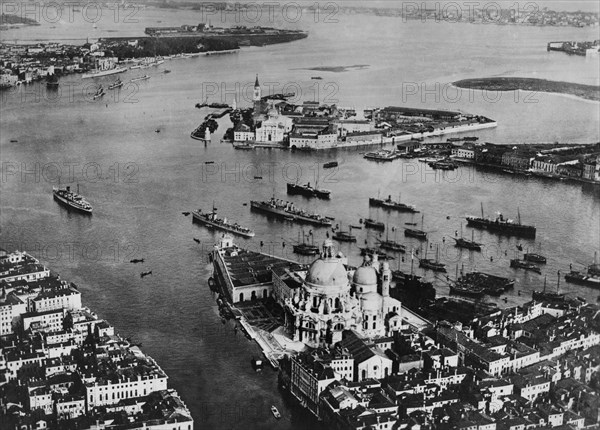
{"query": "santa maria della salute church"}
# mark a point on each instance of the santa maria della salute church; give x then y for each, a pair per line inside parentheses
(332, 299)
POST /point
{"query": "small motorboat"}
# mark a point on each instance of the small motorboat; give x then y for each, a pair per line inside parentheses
(186, 213)
(275, 412)
(196, 240)
(137, 260)
(144, 274)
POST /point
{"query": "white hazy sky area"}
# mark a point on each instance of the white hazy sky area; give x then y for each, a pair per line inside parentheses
(557, 5)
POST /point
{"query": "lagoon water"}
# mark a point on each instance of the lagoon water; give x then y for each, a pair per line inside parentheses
(139, 181)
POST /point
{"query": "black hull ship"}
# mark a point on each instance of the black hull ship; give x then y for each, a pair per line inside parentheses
(375, 225)
(467, 244)
(308, 190)
(210, 219)
(288, 211)
(418, 234)
(71, 200)
(534, 258)
(502, 225)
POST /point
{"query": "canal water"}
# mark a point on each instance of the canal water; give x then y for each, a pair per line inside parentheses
(133, 158)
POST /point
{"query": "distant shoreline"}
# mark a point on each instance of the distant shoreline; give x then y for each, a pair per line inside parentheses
(588, 92)
(8, 21)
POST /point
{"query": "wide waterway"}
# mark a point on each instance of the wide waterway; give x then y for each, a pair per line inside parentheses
(147, 179)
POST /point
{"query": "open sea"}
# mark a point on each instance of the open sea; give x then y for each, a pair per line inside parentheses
(140, 180)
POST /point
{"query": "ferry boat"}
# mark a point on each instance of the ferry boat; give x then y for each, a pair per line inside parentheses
(502, 225)
(118, 83)
(71, 199)
(287, 210)
(522, 264)
(140, 78)
(99, 93)
(308, 190)
(391, 204)
(210, 219)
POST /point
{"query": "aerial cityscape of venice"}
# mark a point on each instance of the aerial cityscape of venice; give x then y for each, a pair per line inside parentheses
(342, 215)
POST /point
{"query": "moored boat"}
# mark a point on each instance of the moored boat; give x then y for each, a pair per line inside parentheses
(330, 164)
(534, 258)
(522, 264)
(376, 225)
(391, 204)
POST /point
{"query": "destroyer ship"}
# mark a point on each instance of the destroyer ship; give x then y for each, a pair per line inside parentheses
(391, 204)
(308, 190)
(71, 199)
(287, 210)
(210, 219)
(502, 225)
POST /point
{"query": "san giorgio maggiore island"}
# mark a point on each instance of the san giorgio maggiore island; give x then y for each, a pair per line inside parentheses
(63, 367)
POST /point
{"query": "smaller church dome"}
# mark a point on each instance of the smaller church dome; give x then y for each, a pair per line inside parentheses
(365, 276)
(371, 302)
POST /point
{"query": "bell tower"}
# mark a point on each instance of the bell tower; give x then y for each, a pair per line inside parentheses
(257, 91)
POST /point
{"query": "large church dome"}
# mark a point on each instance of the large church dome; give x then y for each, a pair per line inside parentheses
(328, 272)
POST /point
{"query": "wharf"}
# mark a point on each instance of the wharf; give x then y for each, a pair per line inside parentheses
(512, 171)
(238, 272)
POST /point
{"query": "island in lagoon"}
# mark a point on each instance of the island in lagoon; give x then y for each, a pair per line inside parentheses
(588, 92)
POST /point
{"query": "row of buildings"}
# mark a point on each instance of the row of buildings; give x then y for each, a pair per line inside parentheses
(63, 367)
(573, 161)
(448, 378)
(313, 126)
